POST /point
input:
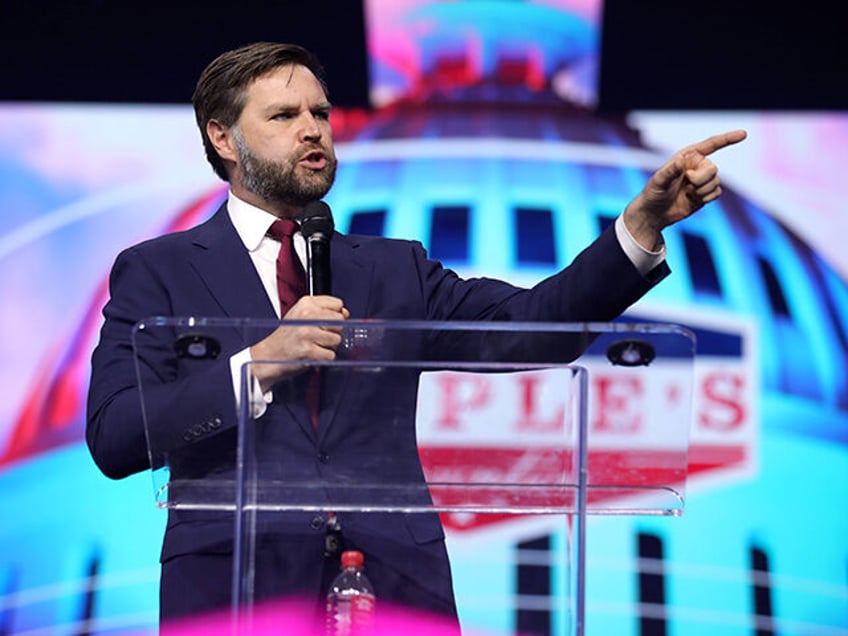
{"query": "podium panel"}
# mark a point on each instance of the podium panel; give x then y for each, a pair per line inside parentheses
(415, 427)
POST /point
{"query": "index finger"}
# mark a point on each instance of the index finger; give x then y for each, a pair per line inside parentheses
(717, 142)
(325, 301)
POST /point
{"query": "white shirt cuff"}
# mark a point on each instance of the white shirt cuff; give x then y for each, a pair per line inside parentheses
(260, 400)
(643, 260)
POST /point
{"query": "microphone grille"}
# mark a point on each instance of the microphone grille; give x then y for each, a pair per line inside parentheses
(316, 219)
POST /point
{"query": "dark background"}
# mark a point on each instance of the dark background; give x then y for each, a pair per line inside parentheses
(663, 54)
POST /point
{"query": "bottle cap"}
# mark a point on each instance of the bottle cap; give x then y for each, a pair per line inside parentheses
(352, 558)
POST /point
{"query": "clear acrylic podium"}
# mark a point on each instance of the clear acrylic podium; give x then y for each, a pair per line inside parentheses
(483, 426)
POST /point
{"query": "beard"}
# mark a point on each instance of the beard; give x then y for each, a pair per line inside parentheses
(277, 180)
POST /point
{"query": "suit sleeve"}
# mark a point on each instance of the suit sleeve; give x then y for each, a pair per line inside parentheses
(181, 408)
(597, 286)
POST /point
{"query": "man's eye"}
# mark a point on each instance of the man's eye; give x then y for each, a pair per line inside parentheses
(323, 114)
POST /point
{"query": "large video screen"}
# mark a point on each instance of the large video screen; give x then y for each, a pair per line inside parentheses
(474, 121)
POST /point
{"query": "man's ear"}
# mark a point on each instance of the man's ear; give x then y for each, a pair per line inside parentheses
(222, 140)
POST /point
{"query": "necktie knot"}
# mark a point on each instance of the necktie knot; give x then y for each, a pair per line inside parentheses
(283, 228)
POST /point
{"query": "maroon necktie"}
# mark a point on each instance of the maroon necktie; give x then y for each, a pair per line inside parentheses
(291, 285)
(291, 279)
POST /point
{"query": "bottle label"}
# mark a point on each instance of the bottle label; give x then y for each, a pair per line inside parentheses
(362, 609)
(351, 615)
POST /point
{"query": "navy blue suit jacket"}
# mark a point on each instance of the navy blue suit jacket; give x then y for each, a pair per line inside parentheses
(207, 272)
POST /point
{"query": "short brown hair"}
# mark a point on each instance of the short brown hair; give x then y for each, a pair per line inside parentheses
(220, 91)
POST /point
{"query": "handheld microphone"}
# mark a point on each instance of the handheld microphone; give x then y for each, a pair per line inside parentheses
(316, 225)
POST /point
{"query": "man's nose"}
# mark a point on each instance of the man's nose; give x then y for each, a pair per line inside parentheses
(309, 128)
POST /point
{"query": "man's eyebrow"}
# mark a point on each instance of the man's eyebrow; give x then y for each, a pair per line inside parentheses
(292, 106)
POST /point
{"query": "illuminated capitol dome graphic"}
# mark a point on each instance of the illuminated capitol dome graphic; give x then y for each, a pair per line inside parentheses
(484, 148)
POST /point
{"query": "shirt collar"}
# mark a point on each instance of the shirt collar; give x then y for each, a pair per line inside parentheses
(251, 223)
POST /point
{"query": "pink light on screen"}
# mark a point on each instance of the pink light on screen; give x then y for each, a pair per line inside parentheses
(414, 45)
(821, 144)
(299, 618)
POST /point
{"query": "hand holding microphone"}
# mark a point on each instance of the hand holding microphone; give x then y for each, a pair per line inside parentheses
(307, 342)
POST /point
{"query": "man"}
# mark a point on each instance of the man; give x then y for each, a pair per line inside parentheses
(263, 114)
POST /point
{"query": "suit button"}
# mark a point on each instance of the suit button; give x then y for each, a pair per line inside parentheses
(317, 522)
(323, 457)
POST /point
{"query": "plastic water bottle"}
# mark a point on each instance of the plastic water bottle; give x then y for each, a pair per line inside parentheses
(351, 602)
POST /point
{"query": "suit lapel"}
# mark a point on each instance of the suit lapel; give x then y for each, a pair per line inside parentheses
(222, 262)
(225, 267)
(351, 277)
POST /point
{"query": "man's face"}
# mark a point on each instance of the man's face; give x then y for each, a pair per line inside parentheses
(283, 140)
